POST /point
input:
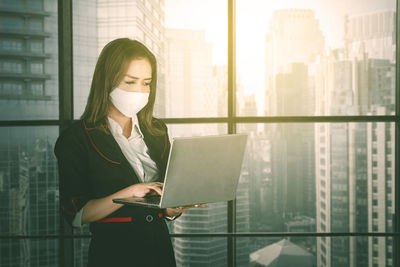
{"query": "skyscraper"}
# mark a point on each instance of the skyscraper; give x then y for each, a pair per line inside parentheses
(372, 33)
(189, 74)
(353, 160)
(28, 91)
(29, 61)
(292, 144)
(293, 41)
(293, 36)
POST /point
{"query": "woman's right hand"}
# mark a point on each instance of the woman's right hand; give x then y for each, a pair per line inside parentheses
(96, 209)
(143, 189)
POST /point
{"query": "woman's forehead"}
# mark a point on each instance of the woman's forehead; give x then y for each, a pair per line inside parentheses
(139, 69)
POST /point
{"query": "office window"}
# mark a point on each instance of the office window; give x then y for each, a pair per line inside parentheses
(11, 88)
(148, 5)
(156, 32)
(286, 195)
(196, 59)
(29, 195)
(15, 69)
(147, 22)
(156, 49)
(36, 67)
(37, 89)
(12, 3)
(11, 66)
(11, 23)
(263, 250)
(28, 173)
(303, 58)
(11, 44)
(35, 24)
(140, 14)
(293, 58)
(201, 251)
(36, 46)
(156, 15)
(192, 78)
(29, 252)
(34, 4)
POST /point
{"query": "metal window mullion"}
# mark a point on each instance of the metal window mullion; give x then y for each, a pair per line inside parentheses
(237, 234)
(29, 123)
(230, 121)
(233, 120)
(396, 219)
(231, 240)
(65, 92)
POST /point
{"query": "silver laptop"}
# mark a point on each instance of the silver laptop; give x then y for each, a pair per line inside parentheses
(202, 169)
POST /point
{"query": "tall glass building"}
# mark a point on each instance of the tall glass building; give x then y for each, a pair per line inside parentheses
(315, 87)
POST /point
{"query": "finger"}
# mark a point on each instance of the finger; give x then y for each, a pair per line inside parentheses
(157, 189)
(159, 185)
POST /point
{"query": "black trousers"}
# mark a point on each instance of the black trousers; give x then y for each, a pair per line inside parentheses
(143, 242)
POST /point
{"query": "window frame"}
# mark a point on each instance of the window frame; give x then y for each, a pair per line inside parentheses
(65, 48)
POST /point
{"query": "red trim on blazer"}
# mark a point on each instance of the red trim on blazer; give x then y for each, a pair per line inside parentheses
(116, 219)
(165, 141)
(94, 146)
(67, 211)
(123, 219)
(73, 204)
(71, 200)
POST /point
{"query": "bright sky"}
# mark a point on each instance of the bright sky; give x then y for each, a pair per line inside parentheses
(252, 21)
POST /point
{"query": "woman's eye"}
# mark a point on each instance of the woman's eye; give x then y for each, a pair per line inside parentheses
(132, 82)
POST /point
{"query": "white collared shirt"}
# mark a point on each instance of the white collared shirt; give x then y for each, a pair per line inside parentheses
(135, 151)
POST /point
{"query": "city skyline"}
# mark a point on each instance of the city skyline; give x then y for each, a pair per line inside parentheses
(296, 177)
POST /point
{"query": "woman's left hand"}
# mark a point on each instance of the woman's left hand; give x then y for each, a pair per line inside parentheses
(171, 212)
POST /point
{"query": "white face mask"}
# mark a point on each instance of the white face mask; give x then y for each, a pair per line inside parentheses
(128, 103)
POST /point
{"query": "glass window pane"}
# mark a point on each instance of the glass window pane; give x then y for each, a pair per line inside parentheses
(81, 250)
(200, 251)
(35, 38)
(9, 44)
(12, 3)
(81, 246)
(196, 58)
(191, 52)
(313, 57)
(323, 177)
(35, 24)
(85, 50)
(34, 4)
(316, 251)
(29, 252)
(28, 181)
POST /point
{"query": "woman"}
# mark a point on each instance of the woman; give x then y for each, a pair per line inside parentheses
(118, 150)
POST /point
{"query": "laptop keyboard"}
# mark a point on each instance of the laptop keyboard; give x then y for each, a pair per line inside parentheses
(153, 199)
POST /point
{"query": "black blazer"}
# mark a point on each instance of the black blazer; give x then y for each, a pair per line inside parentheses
(91, 165)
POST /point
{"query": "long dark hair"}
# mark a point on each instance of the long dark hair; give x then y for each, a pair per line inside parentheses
(110, 69)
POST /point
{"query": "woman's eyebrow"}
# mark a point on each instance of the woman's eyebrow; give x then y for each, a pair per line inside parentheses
(133, 77)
